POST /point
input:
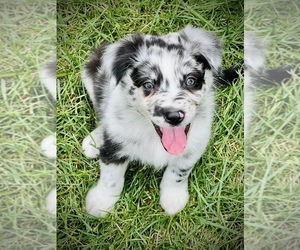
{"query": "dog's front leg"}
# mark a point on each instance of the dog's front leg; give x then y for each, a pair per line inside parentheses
(174, 189)
(102, 198)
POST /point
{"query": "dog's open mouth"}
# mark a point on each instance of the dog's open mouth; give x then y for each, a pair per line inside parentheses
(173, 139)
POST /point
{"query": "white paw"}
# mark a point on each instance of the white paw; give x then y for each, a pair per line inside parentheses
(90, 148)
(48, 145)
(51, 202)
(99, 202)
(173, 200)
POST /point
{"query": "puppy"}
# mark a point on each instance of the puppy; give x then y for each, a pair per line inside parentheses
(155, 101)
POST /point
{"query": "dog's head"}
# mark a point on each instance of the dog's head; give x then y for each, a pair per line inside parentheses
(166, 78)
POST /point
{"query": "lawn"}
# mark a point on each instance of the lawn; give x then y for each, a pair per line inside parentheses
(272, 153)
(214, 216)
(26, 116)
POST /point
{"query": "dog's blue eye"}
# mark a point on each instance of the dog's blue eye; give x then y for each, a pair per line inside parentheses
(190, 81)
(148, 85)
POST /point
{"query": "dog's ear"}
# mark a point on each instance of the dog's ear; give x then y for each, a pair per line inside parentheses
(205, 46)
(95, 63)
(126, 54)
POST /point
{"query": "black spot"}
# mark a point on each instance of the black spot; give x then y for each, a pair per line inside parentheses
(202, 60)
(131, 90)
(179, 39)
(109, 151)
(167, 84)
(184, 170)
(126, 55)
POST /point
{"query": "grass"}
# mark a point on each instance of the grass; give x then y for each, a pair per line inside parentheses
(213, 217)
(26, 115)
(272, 214)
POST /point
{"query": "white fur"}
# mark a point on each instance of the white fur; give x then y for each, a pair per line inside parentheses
(48, 144)
(51, 202)
(91, 144)
(49, 81)
(254, 62)
(127, 119)
(102, 197)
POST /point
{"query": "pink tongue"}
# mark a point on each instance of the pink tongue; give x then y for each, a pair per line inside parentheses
(174, 139)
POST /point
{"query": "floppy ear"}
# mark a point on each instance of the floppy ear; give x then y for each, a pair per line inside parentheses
(126, 54)
(93, 66)
(205, 45)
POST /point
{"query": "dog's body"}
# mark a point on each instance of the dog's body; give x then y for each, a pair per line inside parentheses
(155, 100)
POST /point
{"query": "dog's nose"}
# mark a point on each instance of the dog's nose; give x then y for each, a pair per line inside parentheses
(174, 117)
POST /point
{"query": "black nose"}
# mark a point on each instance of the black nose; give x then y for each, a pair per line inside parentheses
(174, 117)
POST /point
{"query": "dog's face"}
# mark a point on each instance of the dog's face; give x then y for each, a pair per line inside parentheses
(166, 77)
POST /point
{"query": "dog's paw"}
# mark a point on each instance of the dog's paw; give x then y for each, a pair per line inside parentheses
(51, 202)
(48, 145)
(90, 148)
(99, 202)
(173, 200)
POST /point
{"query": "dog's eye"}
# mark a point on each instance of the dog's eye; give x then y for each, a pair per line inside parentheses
(148, 85)
(190, 81)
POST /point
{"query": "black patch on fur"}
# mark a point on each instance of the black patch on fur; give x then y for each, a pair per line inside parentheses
(131, 90)
(202, 60)
(126, 55)
(199, 77)
(158, 74)
(137, 77)
(155, 41)
(109, 151)
(94, 64)
(159, 111)
(142, 74)
(99, 84)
